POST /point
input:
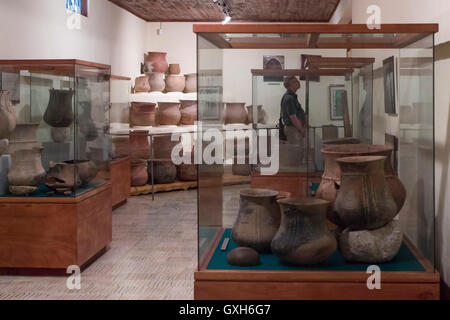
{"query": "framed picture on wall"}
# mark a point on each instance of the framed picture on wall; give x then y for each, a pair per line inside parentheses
(389, 85)
(337, 102)
(273, 63)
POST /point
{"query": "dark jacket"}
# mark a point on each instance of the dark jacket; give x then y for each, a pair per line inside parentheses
(291, 106)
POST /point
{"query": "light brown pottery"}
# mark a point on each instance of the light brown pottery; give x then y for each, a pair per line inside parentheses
(86, 169)
(241, 169)
(62, 176)
(168, 113)
(59, 111)
(139, 145)
(260, 114)
(258, 220)
(191, 83)
(364, 200)
(187, 172)
(59, 135)
(235, 113)
(142, 84)
(164, 171)
(26, 167)
(22, 190)
(157, 83)
(139, 175)
(188, 110)
(303, 237)
(120, 147)
(175, 83)
(156, 62)
(162, 146)
(174, 68)
(24, 136)
(7, 115)
(142, 114)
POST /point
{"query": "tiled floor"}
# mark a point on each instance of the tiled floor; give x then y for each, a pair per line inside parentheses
(153, 254)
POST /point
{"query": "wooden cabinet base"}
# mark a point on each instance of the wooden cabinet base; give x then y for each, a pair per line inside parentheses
(54, 233)
(120, 177)
(295, 183)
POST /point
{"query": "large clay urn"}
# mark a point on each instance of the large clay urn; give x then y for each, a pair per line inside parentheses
(258, 220)
(260, 113)
(156, 62)
(7, 115)
(139, 145)
(235, 113)
(26, 167)
(168, 113)
(86, 169)
(157, 83)
(191, 83)
(303, 237)
(174, 68)
(188, 110)
(164, 171)
(175, 83)
(364, 199)
(142, 114)
(59, 111)
(162, 146)
(24, 136)
(139, 174)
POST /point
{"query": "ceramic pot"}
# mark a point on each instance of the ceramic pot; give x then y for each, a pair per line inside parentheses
(364, 200)
(187, 172)
(235, 113)
(260, 114)
(174, 68)
(188, 110)
(62, 176)
(241, 169)
(303, 237)
(85, 123)
(157, 83)
(4, 143)
(120, 147)
(142, 114)
(139, 175)
(59, 111)
(169, 113)
(191, 83)
(175, 83)
(59, 135)
(24, 136)
(142, 84)
(162, 147)
(164, 171)
(258, 220)
(156, 62)
(139, 145)
(86, 169)
(26, 167)
(7, 115)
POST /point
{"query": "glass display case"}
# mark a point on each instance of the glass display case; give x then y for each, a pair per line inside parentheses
(330, 195)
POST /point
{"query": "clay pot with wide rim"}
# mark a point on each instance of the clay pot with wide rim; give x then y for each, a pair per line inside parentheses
(188, 110)
(140, 147)
(156, 62)
(142, 84)
(24, 136)
(164, 171)
(364, 199)
(142, 114)
(235, 113)
(7, 115)
(139, 174)
(303, 237)
(157, 83)
(260, 114)
(191, 83)
(175, 83)
(87, 170)
(59, 112)
(26, 167)
(258, 220)
(168, 113)
(174, 68)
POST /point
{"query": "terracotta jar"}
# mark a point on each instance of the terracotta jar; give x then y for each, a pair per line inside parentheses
(62, 176)
(175, 83)
(157, 83)
(164, 171)
(139, 174)
(139, 145)
(59, 111)
(168, 113)
(162, 147)
(142, 114)
(188, 110)
(303, 237)
(86, 169)
(142, 84)
(24, 136)
(260, 114)
(7, 115)
(156, 62)
(191, 83)
(364, 200)
(235, 113)
(59, 135)
(26, 167)
(120, 147)
(187, 172)
(258, 220)
(174, 68)
(85, 123)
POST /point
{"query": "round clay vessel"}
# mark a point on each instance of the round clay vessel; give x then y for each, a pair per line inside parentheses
(23, 137)
(188, 110)
(142, 114)
(303, 237)
(7, 115)
(59, 111)
(187, 172)
(59, 135)
(142, 84)
(258, 219)
(162, 147)
(169, 113)
(243, 257)
(175, 83)
(139, 175)
(260, 114)
(157, 83)
(241, 169)
(156, 62)
(139, 145)
(62, 176)
(174, 68)
(120, 147)
(235, 113)
(86, 169)
(164, 171)
(191, 83)
(26, 167)
(364, 200)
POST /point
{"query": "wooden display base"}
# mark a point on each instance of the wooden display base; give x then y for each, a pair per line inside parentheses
(52, 233)
(120, 177)
(313, 285)
(295, 183)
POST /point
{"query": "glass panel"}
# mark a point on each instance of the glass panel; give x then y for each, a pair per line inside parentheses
(363, 104)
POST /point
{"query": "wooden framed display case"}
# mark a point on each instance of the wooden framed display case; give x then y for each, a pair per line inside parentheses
(349, 58)
(57, 209)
